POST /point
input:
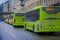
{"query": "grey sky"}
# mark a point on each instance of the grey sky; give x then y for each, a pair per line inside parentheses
(1, 1)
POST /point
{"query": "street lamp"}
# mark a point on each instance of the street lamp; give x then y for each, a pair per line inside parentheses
(22, 3)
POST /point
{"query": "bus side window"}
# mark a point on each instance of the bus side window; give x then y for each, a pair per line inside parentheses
(32, 15)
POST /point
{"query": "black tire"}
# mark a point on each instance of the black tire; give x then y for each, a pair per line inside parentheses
(33, 28)
(57, 34)
(25, 26)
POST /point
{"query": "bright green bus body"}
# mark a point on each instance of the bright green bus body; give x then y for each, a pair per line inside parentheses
(18, 19)
(7, 19)
(43, 19)
(11, 19)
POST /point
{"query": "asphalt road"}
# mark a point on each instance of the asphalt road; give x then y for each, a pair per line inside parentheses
(27, 35)
(8, 32)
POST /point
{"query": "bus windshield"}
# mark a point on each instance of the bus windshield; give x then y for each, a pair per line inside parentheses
(10, 17)
(32, 16)
(19, 14)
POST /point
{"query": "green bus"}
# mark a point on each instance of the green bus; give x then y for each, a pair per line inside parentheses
(18, 19)
(11, 18)
(7, 19)
(43, 19)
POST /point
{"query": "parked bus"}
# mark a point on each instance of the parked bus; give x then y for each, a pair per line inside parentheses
(7, 19)
(11, 18)
(43, 19)
(19, 19)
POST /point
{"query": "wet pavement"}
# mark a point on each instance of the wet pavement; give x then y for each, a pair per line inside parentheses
(8, 32)
(27, 35)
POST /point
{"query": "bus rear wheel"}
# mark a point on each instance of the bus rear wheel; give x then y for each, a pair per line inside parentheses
(34, 30)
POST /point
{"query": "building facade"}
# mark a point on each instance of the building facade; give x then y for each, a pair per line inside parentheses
(1, 7)
(14, 5)
(33, 3)
(7, 6)
(29, 4)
